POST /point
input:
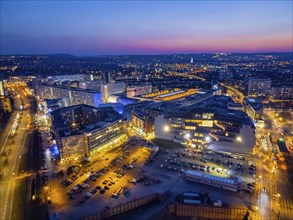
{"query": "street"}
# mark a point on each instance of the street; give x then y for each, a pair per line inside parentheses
(15, 148)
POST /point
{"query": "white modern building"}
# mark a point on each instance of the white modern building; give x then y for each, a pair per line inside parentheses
(110, 89)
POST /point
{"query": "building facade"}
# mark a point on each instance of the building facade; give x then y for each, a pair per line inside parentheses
(132, 91)
(75, 96)
(283, 92)
(253, 107)
(142, 123)
(82, 129)
(70, 77)
(110, 89)
(217, 128)
(258, 86)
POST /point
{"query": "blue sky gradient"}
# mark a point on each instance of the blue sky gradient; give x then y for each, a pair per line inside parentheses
(145, 27)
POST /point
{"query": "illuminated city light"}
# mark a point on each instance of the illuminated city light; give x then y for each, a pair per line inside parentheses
(166, 128)
(239, 139)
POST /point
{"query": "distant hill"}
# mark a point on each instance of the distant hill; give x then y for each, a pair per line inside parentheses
(61, 55)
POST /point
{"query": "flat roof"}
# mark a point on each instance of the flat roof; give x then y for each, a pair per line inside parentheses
(191, 201)
(231, 181)
(170, 94)
(191, 194)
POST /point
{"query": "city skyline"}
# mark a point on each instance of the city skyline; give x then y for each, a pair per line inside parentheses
(117, 28)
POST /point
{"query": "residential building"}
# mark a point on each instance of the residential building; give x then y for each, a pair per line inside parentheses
(258, 86)
(74, 95)
(282, 92)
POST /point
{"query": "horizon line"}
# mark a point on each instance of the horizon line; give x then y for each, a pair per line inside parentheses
(150, 54)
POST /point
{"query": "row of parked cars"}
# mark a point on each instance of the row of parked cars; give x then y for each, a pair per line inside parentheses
(252, 169)
(249, 187)
(154, 156)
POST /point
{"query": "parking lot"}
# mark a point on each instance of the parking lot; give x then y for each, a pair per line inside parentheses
(215, 163)
(106, 182)
(133, 170)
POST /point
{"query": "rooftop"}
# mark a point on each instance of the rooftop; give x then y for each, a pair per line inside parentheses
(82, 118)
(231, 181)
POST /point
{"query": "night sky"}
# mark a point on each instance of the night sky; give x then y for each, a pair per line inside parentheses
(145, 27)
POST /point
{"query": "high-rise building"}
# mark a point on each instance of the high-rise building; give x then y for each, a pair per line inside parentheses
(259, 86)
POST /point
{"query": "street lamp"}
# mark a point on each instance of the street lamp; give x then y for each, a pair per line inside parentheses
(187, 135)
(239, 139)
(166, 128)
(207, 139)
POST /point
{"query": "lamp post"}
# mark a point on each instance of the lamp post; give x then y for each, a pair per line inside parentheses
(238, 139)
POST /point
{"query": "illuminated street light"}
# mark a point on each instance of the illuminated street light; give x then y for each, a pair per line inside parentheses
(239, 139)
(208, 139)
(166, 128)
(187, 135)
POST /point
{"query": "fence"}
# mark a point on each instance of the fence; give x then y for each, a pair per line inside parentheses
(207, 212)
(127, 206)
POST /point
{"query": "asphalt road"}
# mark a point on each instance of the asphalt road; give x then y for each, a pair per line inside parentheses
(11, 175)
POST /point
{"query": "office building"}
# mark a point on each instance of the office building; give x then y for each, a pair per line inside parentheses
(258, 86)
(82, 129)
(253, 107)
